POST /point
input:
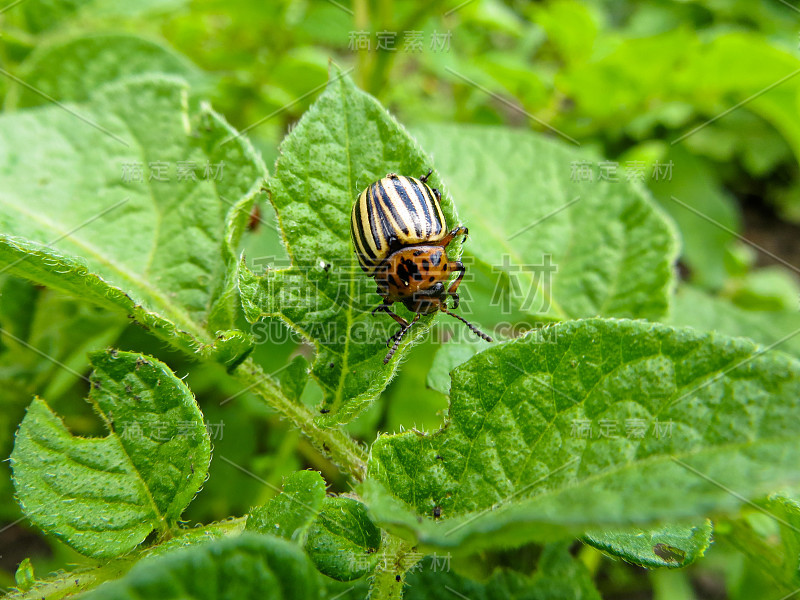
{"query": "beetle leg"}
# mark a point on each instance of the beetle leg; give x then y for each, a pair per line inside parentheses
(438, 194)
(459, 267)
(385, 308)
(400, 320)
(398, 337)
(449, 237)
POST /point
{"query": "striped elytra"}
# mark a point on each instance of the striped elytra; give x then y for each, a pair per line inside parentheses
(391, 213)
(400, 237)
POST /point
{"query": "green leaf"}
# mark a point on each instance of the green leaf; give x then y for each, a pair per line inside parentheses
(700, 310)
(294, 377)
(336, 532)
(47, 14)
(290, 514)
(345, 141)
(343, 542)
(694, 187)
(612, 423)
(72, 68)
(249, 566)
(558, 576)
(447, 358)
(24, 576)
(672, 545)
(161, 250)
(573, 248)
(103, 496)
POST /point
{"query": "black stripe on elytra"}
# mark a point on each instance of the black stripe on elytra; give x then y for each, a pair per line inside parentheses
(419, 226)
(389, 207)
(422, 194)
(372, 202)
(433, 203)
(360, 226)
(362, 260)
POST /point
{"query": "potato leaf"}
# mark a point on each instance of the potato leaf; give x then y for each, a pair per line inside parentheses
(103, 496)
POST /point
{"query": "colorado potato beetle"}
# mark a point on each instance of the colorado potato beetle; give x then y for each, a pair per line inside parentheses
(400, 234)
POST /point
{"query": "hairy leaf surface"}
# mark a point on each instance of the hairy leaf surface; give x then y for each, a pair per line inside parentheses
(613, 423)
(103, 496)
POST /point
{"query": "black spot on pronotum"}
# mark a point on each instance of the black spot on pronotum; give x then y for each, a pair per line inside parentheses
(426, 264)
(431, 278)
(436, 258)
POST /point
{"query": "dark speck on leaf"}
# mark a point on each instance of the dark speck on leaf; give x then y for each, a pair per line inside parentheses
(669, 553)
(331, 365)
(437, 512)
(324, 411)
(397, 577)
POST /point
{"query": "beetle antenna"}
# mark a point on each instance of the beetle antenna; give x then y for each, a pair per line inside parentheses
(399, 337)
(472, 327)
(424, 178)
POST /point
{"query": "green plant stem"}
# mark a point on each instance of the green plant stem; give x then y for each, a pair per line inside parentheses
(389, 577)
(334, 443)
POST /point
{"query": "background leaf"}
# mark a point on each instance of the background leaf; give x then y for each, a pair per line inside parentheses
(153, 247)
(703, 311)
(103, 496)
(70, 69)
(558, 575)
(672, 545)
(611, 249)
